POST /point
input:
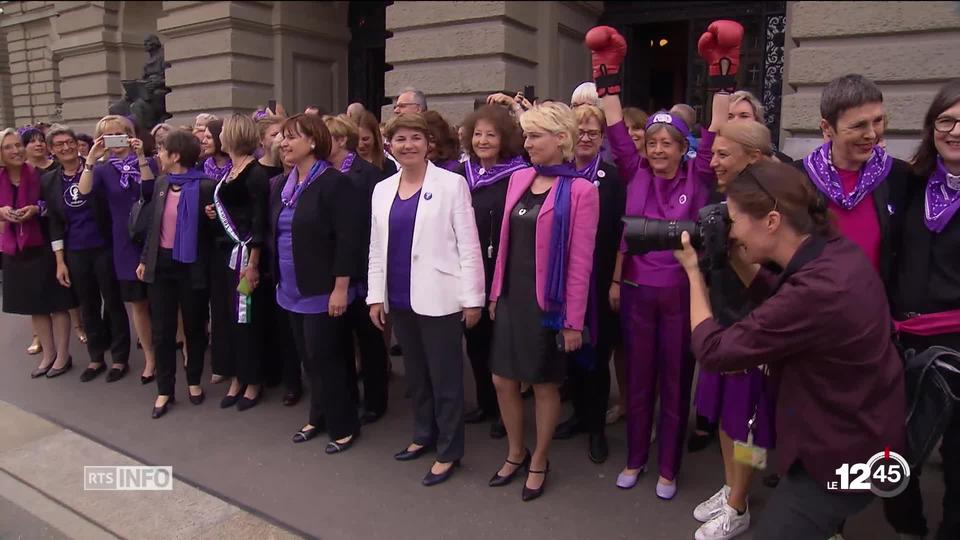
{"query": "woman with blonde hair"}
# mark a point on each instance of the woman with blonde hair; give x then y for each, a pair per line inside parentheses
(538, 298)
(121, 178)
(370, 144)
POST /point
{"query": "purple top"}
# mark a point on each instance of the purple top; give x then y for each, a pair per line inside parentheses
(649, 196)
(82, 229)
(450, 165)
(403, 216)
(106, 180)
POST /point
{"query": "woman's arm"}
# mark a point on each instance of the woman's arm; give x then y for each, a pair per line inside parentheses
(472, 287)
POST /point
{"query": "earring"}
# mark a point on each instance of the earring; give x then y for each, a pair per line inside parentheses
(313, 147)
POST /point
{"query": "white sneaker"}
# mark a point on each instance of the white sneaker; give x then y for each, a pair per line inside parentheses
(709, 508)
(727, 524)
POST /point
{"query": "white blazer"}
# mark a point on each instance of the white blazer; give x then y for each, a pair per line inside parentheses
(446, 269)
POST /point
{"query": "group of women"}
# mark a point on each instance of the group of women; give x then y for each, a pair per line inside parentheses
(264, 225)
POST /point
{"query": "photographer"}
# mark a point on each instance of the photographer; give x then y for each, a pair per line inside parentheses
(841, 396)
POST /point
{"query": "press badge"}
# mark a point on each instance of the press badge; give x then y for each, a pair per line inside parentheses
(748, 454)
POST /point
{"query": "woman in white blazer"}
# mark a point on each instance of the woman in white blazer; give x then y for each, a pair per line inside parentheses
(426, 270)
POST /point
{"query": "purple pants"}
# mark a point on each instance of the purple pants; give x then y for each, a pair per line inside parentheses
(733, 398)
(656, 334)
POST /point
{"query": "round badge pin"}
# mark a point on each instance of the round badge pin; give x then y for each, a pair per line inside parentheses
(126, 167)
(683, 199)
(522, 211)
(596, 183)
(482, 171)
(427, 196)
(601, 174)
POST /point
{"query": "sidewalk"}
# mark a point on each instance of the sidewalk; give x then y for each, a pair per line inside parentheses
(42, 496)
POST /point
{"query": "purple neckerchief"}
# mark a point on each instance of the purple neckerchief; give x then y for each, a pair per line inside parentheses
(212, 171)
(128, 168)
(590, 170)
(478, 177)
(239, 255)
(556, 292)
(347, 162)
(293, 188)
(942, 198)
(16, 237)
(185, 240)
(819, 166)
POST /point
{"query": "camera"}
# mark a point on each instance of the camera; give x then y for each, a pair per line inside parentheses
(709, 235)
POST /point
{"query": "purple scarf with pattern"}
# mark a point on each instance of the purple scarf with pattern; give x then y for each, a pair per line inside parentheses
(128, 168)
(824, 175)
(212, 171)
(478, 177)
(942, 198)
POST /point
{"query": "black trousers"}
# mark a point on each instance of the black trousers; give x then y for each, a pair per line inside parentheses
(281, 363)
(101, 307)
(479, 344)
(802, 509)
(590, 385)
(374, 366)
(433, 358)
(237, 350)
(905, 511)
(172, 291)
(321, 344)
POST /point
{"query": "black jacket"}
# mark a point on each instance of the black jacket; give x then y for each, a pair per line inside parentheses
(488, 203)
(613, 201)
(199, 269)
(245, 199)
(888, 198)
(364, 177)
(52, 193)
(328, 230)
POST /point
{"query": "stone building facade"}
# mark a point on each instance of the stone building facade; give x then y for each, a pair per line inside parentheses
(63, 61)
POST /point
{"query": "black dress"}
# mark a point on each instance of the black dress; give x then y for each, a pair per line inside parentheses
(523, 349)
(30, 285)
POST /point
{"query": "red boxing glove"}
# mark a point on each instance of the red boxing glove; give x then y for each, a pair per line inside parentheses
(608, 48)
(720, 47)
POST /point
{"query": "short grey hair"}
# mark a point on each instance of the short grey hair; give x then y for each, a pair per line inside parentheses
(847, 92)
(418, 97)
(59, 129)
(585, 94)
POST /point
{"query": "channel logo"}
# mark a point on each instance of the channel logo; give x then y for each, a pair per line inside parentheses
(127, 478)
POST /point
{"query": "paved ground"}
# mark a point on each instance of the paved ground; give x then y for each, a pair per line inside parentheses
(247, 460)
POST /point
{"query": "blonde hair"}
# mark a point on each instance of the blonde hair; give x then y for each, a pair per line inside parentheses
(751, 135)
(203, 119)
(240, 135)
(412, 121)
(743, 95)
(3, 135)
(343, 126)
(686, 113)
(584, 94)
(164, 126)
(635, 118)
(113, 119)
(586, 112)
(555, 118)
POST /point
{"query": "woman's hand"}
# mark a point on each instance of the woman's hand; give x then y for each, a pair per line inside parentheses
(572, 340)
(687, 257)
(96, 151)
(615, 297)
(338, 302)
(210, 211)
(378, 316)
(471, 316)
(252, 274)
(500, 99)
(7, 213)
(63, 274)
(137, 146)
(493, 310)
(28, 212)
(141, 268)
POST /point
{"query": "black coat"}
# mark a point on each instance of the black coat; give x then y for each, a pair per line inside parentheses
(245, 199)
(328, 225)
(52, 194)
(365, 177)
(488, 203)
(199, 269)
(613, 201)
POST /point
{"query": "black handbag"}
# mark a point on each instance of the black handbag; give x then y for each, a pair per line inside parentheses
(931, 399)
(138, 222)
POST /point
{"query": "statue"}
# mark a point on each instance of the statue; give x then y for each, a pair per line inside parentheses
(144, 99)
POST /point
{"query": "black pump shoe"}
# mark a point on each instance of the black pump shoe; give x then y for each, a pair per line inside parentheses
(334, 447)
(246, 403)
(198, 399)
(433, 479)
(229, 401)
(496, 480)
(530, 494)
(408, 455)
(91, 373)
(162, 410)
(115, 374)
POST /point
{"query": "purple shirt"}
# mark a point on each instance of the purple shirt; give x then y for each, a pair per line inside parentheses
(106, 180)
(82, 229)
(650, 196)
(403, 217)
(288, 295)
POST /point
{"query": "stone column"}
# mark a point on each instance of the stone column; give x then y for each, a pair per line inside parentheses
(456, 52)
(907, 48)
(33, 74)
(6, 99)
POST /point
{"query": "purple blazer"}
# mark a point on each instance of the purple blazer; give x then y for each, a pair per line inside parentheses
(584, 214)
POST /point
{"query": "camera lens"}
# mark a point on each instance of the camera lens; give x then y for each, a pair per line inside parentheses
(644, 235)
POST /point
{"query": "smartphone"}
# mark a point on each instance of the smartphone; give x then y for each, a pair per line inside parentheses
(272, 105)
(584, 341)
(529, 93)
(115, 141)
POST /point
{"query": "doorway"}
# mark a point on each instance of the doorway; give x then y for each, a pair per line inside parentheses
(366, 62)
(658, 76)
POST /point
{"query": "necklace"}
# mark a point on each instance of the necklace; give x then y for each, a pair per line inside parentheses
(238, 168)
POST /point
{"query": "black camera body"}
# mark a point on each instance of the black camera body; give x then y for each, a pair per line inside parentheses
(709, 235)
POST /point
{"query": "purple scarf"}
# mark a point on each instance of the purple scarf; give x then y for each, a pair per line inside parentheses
(128, 168)
(347, 162)
(824, 175)
(18, 236)
(942, 198)
(478, 177)
(293, 188)
(556, 293)
(188, 215)
(590, 170)
(212, 171)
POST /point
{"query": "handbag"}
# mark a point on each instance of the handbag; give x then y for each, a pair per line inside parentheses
(138, 222)
(931, 399)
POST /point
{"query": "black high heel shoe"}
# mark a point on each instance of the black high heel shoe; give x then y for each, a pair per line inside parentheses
(496, 480)
(530, 494)
(433, 479)
(246, 403)
(410, 455)
(162, 410)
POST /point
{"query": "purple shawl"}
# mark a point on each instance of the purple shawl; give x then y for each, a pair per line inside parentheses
(478, 177)
(128, 168)
(556, 285)
(212, 171)
(188, 215)
(18, 236)
(942, 198)
(824, 175)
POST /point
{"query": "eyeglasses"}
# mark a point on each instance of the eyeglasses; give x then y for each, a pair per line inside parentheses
(65, 144)
(591, 135)
(945, 124)
(402, 105)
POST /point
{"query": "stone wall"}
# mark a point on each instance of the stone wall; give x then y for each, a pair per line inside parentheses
(908, 48)
(34, 78)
